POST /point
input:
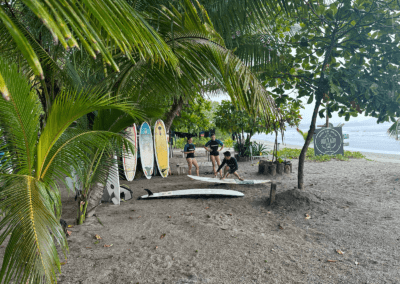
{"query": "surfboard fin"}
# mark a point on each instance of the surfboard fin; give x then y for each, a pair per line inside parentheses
(148, 191)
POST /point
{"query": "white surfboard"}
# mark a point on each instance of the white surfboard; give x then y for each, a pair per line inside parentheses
(230, 181)
(130, 159)
(146, 150)
(112, 190)
(185, 192)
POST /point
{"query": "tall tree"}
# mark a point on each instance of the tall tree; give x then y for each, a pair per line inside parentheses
(344, 58)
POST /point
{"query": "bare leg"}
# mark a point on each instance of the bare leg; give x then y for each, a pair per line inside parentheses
(189, 161)
(213, 164)
(236, 174)
(218, 163)
(197, 166)
(226, 173)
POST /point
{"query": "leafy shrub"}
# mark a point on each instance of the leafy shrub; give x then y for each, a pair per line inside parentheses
(256, 149)
(228, 143)
(295, 153)
(180, 143)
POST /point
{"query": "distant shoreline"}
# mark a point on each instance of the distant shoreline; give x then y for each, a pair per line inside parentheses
(378, 157)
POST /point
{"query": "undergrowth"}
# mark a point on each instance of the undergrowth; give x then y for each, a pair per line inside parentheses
(287, 153)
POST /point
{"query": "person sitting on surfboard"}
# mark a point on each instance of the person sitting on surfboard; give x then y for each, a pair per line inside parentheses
(231, 166)
(189, 150)
(214, 152)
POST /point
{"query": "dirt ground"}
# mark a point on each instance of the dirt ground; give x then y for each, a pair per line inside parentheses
(354, 207)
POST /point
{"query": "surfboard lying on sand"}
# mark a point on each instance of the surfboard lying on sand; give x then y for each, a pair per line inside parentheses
(230, 181)
(186, 192)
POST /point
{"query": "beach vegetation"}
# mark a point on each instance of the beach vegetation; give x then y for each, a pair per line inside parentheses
(329, 61)
(40, 156)
(228, 143)
(288, 153)
(137, 57)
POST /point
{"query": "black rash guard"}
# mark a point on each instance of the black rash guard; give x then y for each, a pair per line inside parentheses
(188, 148)
(214, 146)
(231, 163)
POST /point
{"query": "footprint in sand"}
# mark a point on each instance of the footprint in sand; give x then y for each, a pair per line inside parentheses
(161, 262)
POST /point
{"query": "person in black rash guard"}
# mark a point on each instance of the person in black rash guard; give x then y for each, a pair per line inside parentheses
(189, 151)
(231, 166)
(214, 152)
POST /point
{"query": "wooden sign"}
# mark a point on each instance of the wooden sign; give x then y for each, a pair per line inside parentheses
(328, 141)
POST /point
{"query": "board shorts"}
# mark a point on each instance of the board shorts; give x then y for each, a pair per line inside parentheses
(190, 156)
(214, 153)
(232, 170)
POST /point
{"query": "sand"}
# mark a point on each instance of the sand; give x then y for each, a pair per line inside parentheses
(354, 207)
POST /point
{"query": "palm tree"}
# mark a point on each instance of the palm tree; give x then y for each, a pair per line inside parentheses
(38, 160)
(193, 57)
(394, 130)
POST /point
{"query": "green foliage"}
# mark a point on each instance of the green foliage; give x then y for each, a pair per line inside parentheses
(287, 153)
(352, 84)
(394, 130)
(257, 149)
(231, 119)
(194, 117)
(228, 143)
(180, 143)
(29, 196)
(200, 142)
(304, 135)
(90, 25)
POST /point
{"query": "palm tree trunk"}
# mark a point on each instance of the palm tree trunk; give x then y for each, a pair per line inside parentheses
(87, 204)
(300, 176)
(175, 109)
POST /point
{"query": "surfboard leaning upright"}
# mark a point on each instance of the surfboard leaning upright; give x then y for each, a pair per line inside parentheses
(112, 190)
(161, 148)
(129, 158)
(146, 150)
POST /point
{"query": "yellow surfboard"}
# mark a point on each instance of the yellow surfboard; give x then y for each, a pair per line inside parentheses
(161, 147)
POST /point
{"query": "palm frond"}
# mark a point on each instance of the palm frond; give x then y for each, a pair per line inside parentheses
(101, 26)
(394, 130)
(68, 107)
(19, 118)
(31, 255)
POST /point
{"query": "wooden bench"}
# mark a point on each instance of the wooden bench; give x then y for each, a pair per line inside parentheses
(183, 168)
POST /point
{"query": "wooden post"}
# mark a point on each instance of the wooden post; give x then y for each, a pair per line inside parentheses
(279, 168)
(272, 169)
(287, 169)
(272, 194)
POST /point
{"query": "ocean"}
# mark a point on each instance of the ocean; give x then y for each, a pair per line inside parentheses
(367, 137)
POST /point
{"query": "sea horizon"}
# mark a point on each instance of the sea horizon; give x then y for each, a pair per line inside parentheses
(364, 136)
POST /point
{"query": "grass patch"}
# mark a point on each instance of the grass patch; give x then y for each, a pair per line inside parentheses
(287, 153)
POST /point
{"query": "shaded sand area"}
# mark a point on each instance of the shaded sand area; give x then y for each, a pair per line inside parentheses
(354, 207)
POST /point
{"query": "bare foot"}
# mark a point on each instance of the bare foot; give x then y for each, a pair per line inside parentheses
(241, 179)
(222, 178)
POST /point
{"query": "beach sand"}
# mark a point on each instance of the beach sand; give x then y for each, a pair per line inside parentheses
(354, 207)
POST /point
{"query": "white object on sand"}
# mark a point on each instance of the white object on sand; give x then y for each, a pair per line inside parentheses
(230, 181)
(222, 192)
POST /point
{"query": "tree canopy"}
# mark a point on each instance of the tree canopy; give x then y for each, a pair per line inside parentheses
(344, 57)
